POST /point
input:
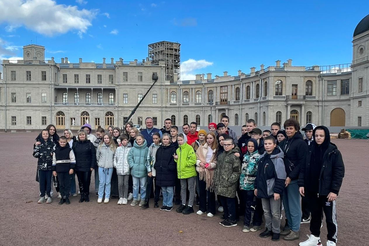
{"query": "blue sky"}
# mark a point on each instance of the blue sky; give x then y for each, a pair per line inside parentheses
(215, 36)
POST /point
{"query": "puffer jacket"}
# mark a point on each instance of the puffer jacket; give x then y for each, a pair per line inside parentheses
(186, 162)
(137, 159)
(166, 170)
(105, 156)
(227, 174)
(121, 160)
(85, 154)
(44, 153)
(249, 170)
(151, 158)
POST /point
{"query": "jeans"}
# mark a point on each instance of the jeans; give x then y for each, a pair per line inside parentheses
(229, 205)
(123, 186)
(168, 193)
(251, 207)
(272, 214)
(150, 183)
(190, 182)
(210, 198)
(292, 206)
(72, 180)
(139, 184)
(105, 175)
(84, 179)
(44, 177)
(64, 184)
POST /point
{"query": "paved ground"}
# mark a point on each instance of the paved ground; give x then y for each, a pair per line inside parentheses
(24, 222)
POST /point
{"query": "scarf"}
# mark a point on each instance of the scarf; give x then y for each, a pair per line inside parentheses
(204, 173)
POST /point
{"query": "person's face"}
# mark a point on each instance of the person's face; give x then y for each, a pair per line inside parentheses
(202, 137)
(186, 129)
(45, 135)
(115, 133)
(221, 139)
(52, 131)
(209, 139)
(266, 134)
(290, 131)
(243, 130)
(110, 129)
(155, 139)
(319, 136)
(222, 130)
(180, 141)
(139, 140)
(106, 139)
(228, 145)
(256, 136)
(173, 132)
(309, 134)
(67, 134)
(62, 142)
(128, 128)
(167, 124)
(250, 127)
(82, 137)
(212, 128)
(132, 133)
(124, 142)
(99, 135)
(225, 121)
(193, 128)
(165, 141)
(149, 123)
(250, 147)
(274, 129)
(86, 130)
(280, 137)
(269, 146)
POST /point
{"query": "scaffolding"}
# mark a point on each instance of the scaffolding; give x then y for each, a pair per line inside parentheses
(168, 52)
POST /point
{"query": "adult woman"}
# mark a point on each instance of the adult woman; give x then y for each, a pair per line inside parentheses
(127, 128)
(85, 154)
(133, 132)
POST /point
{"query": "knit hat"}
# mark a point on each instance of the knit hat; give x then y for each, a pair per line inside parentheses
(86, 125)
(202, 131)
(282, 132)
(213, 125)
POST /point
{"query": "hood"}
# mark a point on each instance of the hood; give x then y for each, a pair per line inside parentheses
(277, 152)
(144, 145)
(327, 138)
(255, 143)
(88, 126)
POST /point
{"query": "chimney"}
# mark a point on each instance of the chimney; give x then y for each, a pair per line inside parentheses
(225, 73)
(52, 58)
(262, 67)
(104, 60)
(208, 76)
(121, 60)
(112, 60)
(66, 59)
(0, 75)
(80, 60)
(252, 70)
(62, 60)
(289, 62)
(278, 63)
(239, 72)
(198, 76)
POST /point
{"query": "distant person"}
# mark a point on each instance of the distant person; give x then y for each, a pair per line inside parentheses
(266, 133)
(250, 125)
(221, 129)
(167, 125)
(230, 132)
(281, 135)
(186, 129)
(192, 135)
(149, 131)
(212, 127)
(173, 136)
(122, 167)
(274, 128)
(200, 141)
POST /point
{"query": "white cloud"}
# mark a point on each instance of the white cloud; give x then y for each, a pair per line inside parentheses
(105, 26)
(81, 2)
(45, 16)
(189, 66)
(99, 46)
(153, 5)
(114, 32)
(107, 15)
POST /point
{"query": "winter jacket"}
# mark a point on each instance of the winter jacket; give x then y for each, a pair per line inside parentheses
(191, 138)
(233, 135)
(271, 174)
(249, 170)
(148, 134)
(137, 159)
(85, 154)
(44, 153)
(295, 150)
(151, 157)
(227, 174)
(105, 156)
(121, 160)
(63, 159)
(165, 166)
(186, 162)
(242, 143)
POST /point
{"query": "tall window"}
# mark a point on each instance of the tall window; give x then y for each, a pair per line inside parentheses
(309, 88)
(359, 121)
(111, 98)
(29, 120)
(125, 76)
(14, 97)
(278, 88)
(173, 119)
(14, 120)
(65, 98)
(248, 92)
(85, 118)
(76, 98)
(257, 91)
(109, 119)
(198, 120)
(139, 77)
(125, 98)
(88, 79)
(99, 98)
(139, 97)
(43, 121)
(345, 87)
(185, 119)
(247, 117)
(13, 76)
(237, 94)
(210, 96)
(72, 121)
(111, 79)
(28, 75)
(278, 117)
(88, 98)
(198, 96)
(65, 78)
(43, 75)
(76, 78)
(265, 88)
(309, 117)
(139, 120)
(256, 118)
(332, 88)
(210, 119)
(99, 79)
(97, 122)
(173, 97)
(28, 97)
(264, 119)
(360, 85)
(236, 120)
(223, 94)
(154, 98)
(43, 97)
(186, 97)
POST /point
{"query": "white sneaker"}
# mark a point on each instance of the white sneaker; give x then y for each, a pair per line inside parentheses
(130, 196)
(331, 243)
(106, 200)
(312, 241)
(220, 209)
(200, 212)
(139, 198)
(41, 200)
(120, 201)
(59, 195)
(99, 200)
(49, 200)
(125, 201)
(210, 215)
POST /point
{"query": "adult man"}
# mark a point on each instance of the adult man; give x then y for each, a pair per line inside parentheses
(167, 125)
(225, 121)
(186, 129)
(149, 131)
(192, 135)
(274, 128)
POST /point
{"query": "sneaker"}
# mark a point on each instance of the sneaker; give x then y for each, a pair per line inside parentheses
(99, 200)
(163, 208)
(255, 228)
(305, 221)
(106, 200)
(139, 197)
(130, 196)
(120, 201)
(222, 222)
(312, 241)
(246, 229)
(168, 209)
(220, 209)
(75, 194)
(49, 200)
(266, 233)
(145, 206)
(200, 212)
(188, 210)
(142, 202)
(125, 201)
(134, 203)
(331, 243)
(67, 201)
(275, 237)
(286, 230)
(61, 201)
(156, 205)
(292, 236)
(229, 223)
(59, 195)
(41, 200)
(180, 208)
(210, 215)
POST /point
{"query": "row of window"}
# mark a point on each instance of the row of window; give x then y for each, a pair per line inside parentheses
(28, 120)
(13, 97)
(13, 75)
(100, 78)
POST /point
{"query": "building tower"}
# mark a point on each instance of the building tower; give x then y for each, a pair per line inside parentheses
(168, 52)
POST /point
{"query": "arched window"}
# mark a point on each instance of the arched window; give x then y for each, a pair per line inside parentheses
(85, 118)
(186, 97)
(237, 93)
(198, 120)
(309, 117)
(210, 96)
(109, 119)
(198, 96)
(210, 119)
(248, 92)
(278, 117)
(278, 88)
(256, 118)
(264, 119)
(247, 117)
(265, 88)
(294, 114)
(173, 119)
(185, 119)
(257, 91)
(173, 97)
(236, 119)
(60, 118)
(309, 88)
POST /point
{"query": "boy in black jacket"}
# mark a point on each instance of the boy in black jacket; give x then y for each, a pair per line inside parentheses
(63, 167)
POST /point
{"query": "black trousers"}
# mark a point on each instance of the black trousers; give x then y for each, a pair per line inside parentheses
(206, 196)
(64, 184)
(318, 205)
(229, 205)
(149, 189)
(305, 208)
(84, 179)
(251, 206)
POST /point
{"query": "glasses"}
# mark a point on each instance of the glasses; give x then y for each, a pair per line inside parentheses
(227, 145)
